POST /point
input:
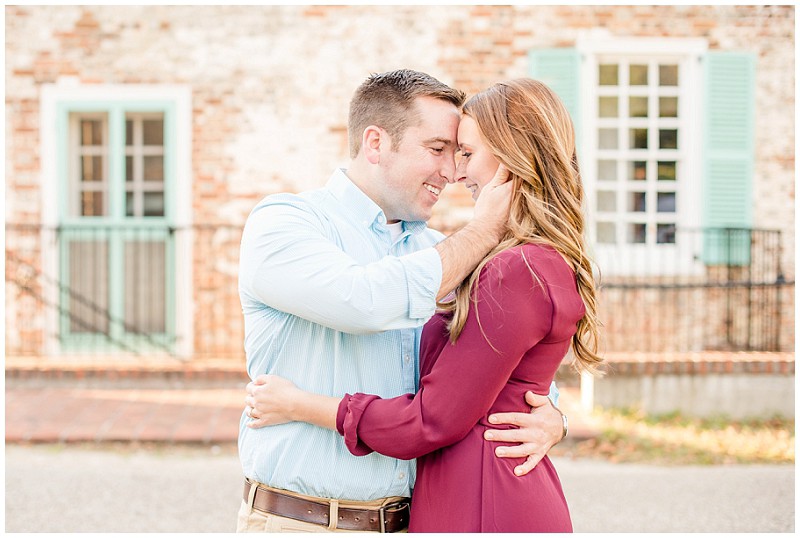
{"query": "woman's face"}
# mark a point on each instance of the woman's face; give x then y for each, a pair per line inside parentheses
(477, 165)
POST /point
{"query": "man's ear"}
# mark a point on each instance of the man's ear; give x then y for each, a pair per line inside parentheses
(371, 143)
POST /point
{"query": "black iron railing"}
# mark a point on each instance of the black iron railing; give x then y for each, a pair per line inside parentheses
(142, 290)
(708, 289)
(149, 290)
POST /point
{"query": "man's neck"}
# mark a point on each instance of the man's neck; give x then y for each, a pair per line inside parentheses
(360, 176)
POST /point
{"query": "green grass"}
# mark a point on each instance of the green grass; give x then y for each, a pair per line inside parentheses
(631, 436)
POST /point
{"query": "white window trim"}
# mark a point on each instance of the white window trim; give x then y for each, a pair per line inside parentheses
(598, 43)
(71, 91)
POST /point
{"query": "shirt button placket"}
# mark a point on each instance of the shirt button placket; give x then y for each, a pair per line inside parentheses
(408, 366)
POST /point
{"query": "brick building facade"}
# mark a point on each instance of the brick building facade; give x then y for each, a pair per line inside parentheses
(180, 118)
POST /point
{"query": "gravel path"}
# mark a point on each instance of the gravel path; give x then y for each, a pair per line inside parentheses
(58, 488)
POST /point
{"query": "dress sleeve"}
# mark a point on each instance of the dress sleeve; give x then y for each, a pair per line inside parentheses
(513, 313)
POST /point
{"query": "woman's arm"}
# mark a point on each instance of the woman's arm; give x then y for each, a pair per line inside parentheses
(513, 314)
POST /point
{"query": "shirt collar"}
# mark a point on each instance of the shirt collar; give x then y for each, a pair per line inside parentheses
(353, 198)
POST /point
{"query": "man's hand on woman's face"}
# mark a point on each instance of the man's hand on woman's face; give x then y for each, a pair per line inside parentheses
(494, 202)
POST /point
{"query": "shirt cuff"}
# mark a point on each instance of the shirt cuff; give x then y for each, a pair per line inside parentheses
(424, 276)
(554, 394)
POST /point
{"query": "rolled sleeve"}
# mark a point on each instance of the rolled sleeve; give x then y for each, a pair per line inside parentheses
(348, 416)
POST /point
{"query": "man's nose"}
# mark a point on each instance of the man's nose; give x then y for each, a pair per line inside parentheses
(449, 170)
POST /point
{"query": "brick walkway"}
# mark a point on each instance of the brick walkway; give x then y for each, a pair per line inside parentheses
(60, 414)
(73, 404)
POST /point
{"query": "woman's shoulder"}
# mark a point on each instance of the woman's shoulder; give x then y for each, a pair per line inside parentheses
(529, 266)
(529, 256)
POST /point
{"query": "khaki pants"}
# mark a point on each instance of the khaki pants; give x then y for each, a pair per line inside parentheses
(252, 520)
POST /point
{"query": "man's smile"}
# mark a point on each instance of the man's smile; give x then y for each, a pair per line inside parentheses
(433, 189)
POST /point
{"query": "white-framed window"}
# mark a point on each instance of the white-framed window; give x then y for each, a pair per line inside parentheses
(639, 153)
(88, 155)
(119, 157)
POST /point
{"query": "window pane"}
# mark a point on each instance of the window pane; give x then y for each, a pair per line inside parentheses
(638, 138)
(154, 168)
(666, 202)
(91, 133)
(668, 107)
(667, 75)
(154, 204)
(608, 138)
(606, 233)
(637, 233)
(638, 75)
(91, 204)
(609, 107)
(606, 201)
(636, 202)
(88, 282)
(637, 107)
(637, 170)
(91, 168)
(668, 138)
(129, 208)
(145, 286)
(153, 132)
(609, 74)
(128, 168)
(665, 234)
(607, 170)
(666, 170)
(128, 132)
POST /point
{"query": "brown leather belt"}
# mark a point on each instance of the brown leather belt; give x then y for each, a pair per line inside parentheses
(389, 518)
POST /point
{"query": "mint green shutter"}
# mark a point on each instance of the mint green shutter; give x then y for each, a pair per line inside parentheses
(560, 70)
(729, 156)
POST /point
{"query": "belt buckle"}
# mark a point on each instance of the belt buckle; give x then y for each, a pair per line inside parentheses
(382, 512)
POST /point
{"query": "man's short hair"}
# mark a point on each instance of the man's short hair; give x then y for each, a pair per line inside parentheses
(387, 100)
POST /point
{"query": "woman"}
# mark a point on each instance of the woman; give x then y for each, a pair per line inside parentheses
(505, 332)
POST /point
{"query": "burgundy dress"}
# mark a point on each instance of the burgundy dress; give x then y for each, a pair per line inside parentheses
(514, 344)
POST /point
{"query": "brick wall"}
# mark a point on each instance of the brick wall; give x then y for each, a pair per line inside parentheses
(271, 85)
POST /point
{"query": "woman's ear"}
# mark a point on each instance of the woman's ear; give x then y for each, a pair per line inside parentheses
(371, 141)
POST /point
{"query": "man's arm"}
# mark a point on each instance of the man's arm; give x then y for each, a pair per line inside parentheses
(289, 264)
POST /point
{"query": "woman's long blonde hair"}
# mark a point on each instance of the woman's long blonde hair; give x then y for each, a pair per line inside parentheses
(529, 131)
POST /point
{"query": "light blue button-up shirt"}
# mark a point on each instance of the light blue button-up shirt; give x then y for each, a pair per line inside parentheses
(332, 303)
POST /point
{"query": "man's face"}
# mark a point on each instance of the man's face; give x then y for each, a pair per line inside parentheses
(417, 172)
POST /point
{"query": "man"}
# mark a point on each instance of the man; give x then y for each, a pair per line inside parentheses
(336, 284)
